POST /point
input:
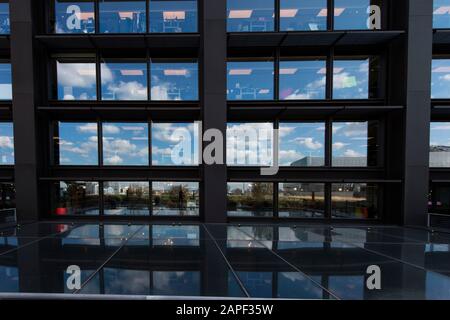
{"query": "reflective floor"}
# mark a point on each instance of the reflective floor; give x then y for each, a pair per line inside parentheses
(212, 260)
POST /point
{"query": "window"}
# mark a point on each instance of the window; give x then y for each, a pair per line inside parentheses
(174, 80)
(439, 198)
(75, 198)
(250, 15)
(175, 144)
(301, 200)
(303, 15)
(7, 202)
(440, 78)
(302, 144)
(6, 143)
(249, 144)
(122, 16)
(74, 16)
(302, 80)
(351, 79)
(356, 14)
(5, 81)
(76, 143)
(250, 80)
(354, 201)
(175, 198)
(185, 236)
(125, 144)
(441, 14)
(4, 18)
(124, 81)
(126, 198)
(173, 16)
(250, 199)
(76, 81)
(355, 144)
(440, 145)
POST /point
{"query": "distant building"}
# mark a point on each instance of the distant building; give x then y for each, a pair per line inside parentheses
(337, 162)
(439, 156)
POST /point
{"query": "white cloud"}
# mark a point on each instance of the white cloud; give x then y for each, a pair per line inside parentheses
(114, 160)
(351, 153)
(80, 75)
(87, 128)
(6, 142)
(110, 129)
(339, 145)
(128, 90)
(309, 143)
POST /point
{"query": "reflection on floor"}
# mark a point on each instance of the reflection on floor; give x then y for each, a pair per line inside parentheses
(262, 261)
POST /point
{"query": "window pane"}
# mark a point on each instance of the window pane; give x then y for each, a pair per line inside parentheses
(302, 144)
(76, 198)
(440, 79)
(351, 79)
(173, 16)
(441, 14)
(6, 143)
(122, 17)
(175, 198)
(4, 18)
(439, 201)
(125, 144)
(7, 203)
(175, 144)
(124, 81)
(352, 14)
(301, 200)
(303, 15)
(249, 144)
(440, 144)
(74, 17)
(354, 201)
(185, 236)
(174, 81)
(355, 144)
(302, 80)
(250, 15)
(126, 198)
(250, 199)
(250, 80)
(5, 81)
(76, 81)
(76, 143)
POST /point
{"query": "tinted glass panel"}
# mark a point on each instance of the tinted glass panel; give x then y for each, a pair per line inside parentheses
(4, 18)
(126, 198)
(173, 16)
(74, 17)
(76, 143)
(303, 15)
(441, 14)
(124, 81)
(302, 144)
(439, 198)
(354, 15)
(123, 17)
(125, 144)
(249, 144)
(76, 81)
(250, 15)
(174, 81)
(5, 81)
(355, 201)
(250, 80)
(302, 80)
(440, 144)
(301, 200)
(351, 79)
(355, 144)
(440, 78)
(75, 198)
(7, 203)
(250, 199)
(175, 144)
(6, 143)
(175, 198)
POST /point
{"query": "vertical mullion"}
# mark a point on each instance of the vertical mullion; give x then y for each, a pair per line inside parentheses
(149, 78)
(277, 7)
(101, 199)
(100, 142)
(329, 74)
(147, 16)
(276, 75)
(275, 187)
(330, 15)
(98, 71)
(328, 201)
(329, 142)
(97, 16)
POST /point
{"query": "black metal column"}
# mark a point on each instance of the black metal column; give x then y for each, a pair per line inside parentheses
(417, 117)
(214, 54)
(24, 115)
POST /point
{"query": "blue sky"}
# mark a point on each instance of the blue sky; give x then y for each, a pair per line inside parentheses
(350, 139)
(441, 14)
(351, 79)
(304, 15)
(4, 18)
(122, 16)
(6, 143)
(5, 81)
(78, 143)
(440, 78)
(250, 80)
(440, 134)
(124, 81)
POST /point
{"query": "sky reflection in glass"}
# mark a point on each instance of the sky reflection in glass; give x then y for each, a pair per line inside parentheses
(173, 16)
(174, 81)
(122, 16)
(76, 81)
(6, 143)
(77, 143)
(74, 17)
(303, 15)
(351, 79)
(124, 81)
(250, 80)
(440, 79)
(250, 15)
(350, 144)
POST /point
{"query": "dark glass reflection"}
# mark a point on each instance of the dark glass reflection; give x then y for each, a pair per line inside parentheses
(354, 201)
(250, 15)
(126, 198)
(7, 203)
(439, 198)
(6, 143)
(173, 16)
(75, 198)
(250, 80)
(175, 198)
(303, 15)
(301, 200)
(250, 199)
(74, 16)
(5, 24)
(122, 16)
(441, 14)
